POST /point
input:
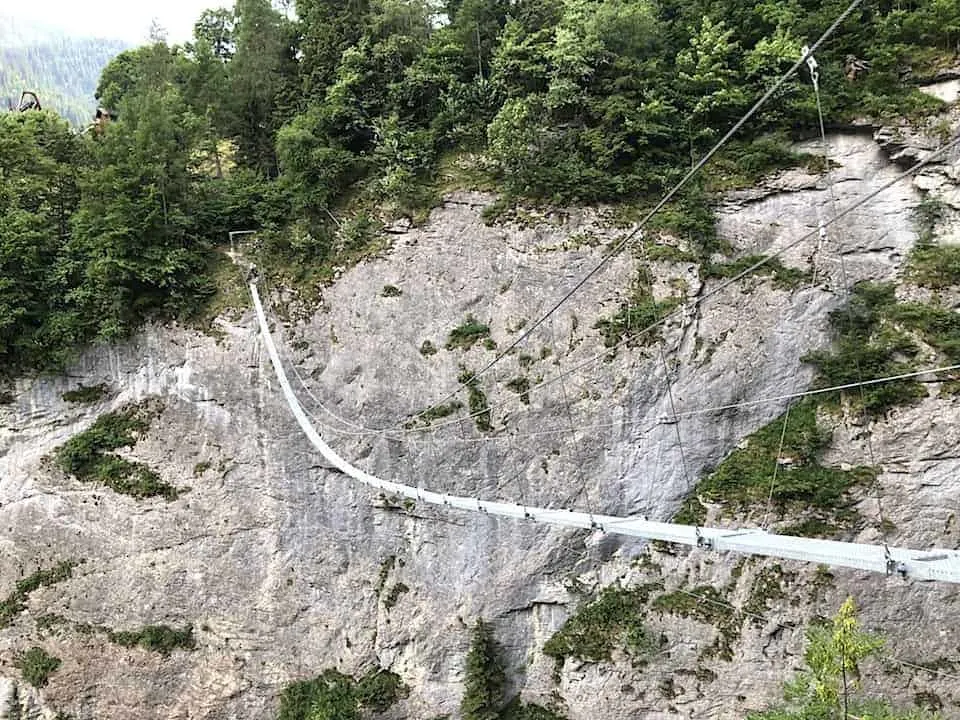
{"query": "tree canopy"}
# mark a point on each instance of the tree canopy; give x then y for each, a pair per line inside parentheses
(353, 109)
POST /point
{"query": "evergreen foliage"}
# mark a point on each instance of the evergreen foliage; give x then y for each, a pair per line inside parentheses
(744, 478)
(16, 601)
(87, 455)
(162, 639)
(827, 686)
(615, 619)
(485, 679)
(878, 336)
(312, 129)
(335, 696)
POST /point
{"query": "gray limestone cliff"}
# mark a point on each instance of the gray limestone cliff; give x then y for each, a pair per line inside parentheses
(284, 568)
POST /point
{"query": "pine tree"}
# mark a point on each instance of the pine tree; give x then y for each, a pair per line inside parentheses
(485, 677)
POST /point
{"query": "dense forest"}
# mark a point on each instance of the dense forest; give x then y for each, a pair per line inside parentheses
(63, 71)
(315, 130)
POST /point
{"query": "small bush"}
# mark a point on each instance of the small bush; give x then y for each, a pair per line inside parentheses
(391, 291)
(934, 266)
(615, 619)
(521, 386)
(876, 339)
(708, 605)
(477, 399)
(427, 349)
(37, 666)
(15, 602)
(636, 322)
(784, 278)
(436, 412)
(379, 689)
(335, 696)
(84, 394)
(158, 638)
(744, 477)
(85, 456)
(467, 334)
(517, 710)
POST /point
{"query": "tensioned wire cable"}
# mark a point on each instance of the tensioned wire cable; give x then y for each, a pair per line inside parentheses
(665, 199)
(933, 156)
(433, 427)
(712, 409)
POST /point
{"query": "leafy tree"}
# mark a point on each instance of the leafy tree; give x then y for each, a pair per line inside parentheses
(38, 194)
(133, 230)
(263, 90)
(328, 27)
(825, 688)
(708, 71)
(833, 655)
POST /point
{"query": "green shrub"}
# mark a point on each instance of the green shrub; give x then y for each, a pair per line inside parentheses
(162, 639)
(517, 710)
(934, 266)
(335, 696)
(784, 278)
(744, 477)
(477, 399)
(874, 340)
(37, 666)
(379, 689)
(521, 386)
(15, 602)
(467, 334)
(636, 321)
(615, 619)
(708, 605)
(329, 696)
(85, 394)
(436, 412)
(85, 455)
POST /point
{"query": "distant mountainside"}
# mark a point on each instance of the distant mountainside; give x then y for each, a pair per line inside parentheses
(62, 70)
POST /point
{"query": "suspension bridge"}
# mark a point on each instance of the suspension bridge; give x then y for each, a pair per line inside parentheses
(937, 564)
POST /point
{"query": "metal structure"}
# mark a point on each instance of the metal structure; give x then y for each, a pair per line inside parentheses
(936, 564)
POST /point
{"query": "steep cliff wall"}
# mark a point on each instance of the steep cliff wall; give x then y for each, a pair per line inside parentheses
(284, 568)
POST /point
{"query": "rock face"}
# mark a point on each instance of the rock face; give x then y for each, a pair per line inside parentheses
(283, 568)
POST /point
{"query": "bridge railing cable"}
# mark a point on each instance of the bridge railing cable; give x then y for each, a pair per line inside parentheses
(936, 564)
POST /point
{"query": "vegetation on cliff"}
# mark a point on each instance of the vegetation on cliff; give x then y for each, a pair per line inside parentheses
(317, 129)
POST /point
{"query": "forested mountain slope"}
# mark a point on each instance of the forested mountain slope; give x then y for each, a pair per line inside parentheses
(62, 70)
